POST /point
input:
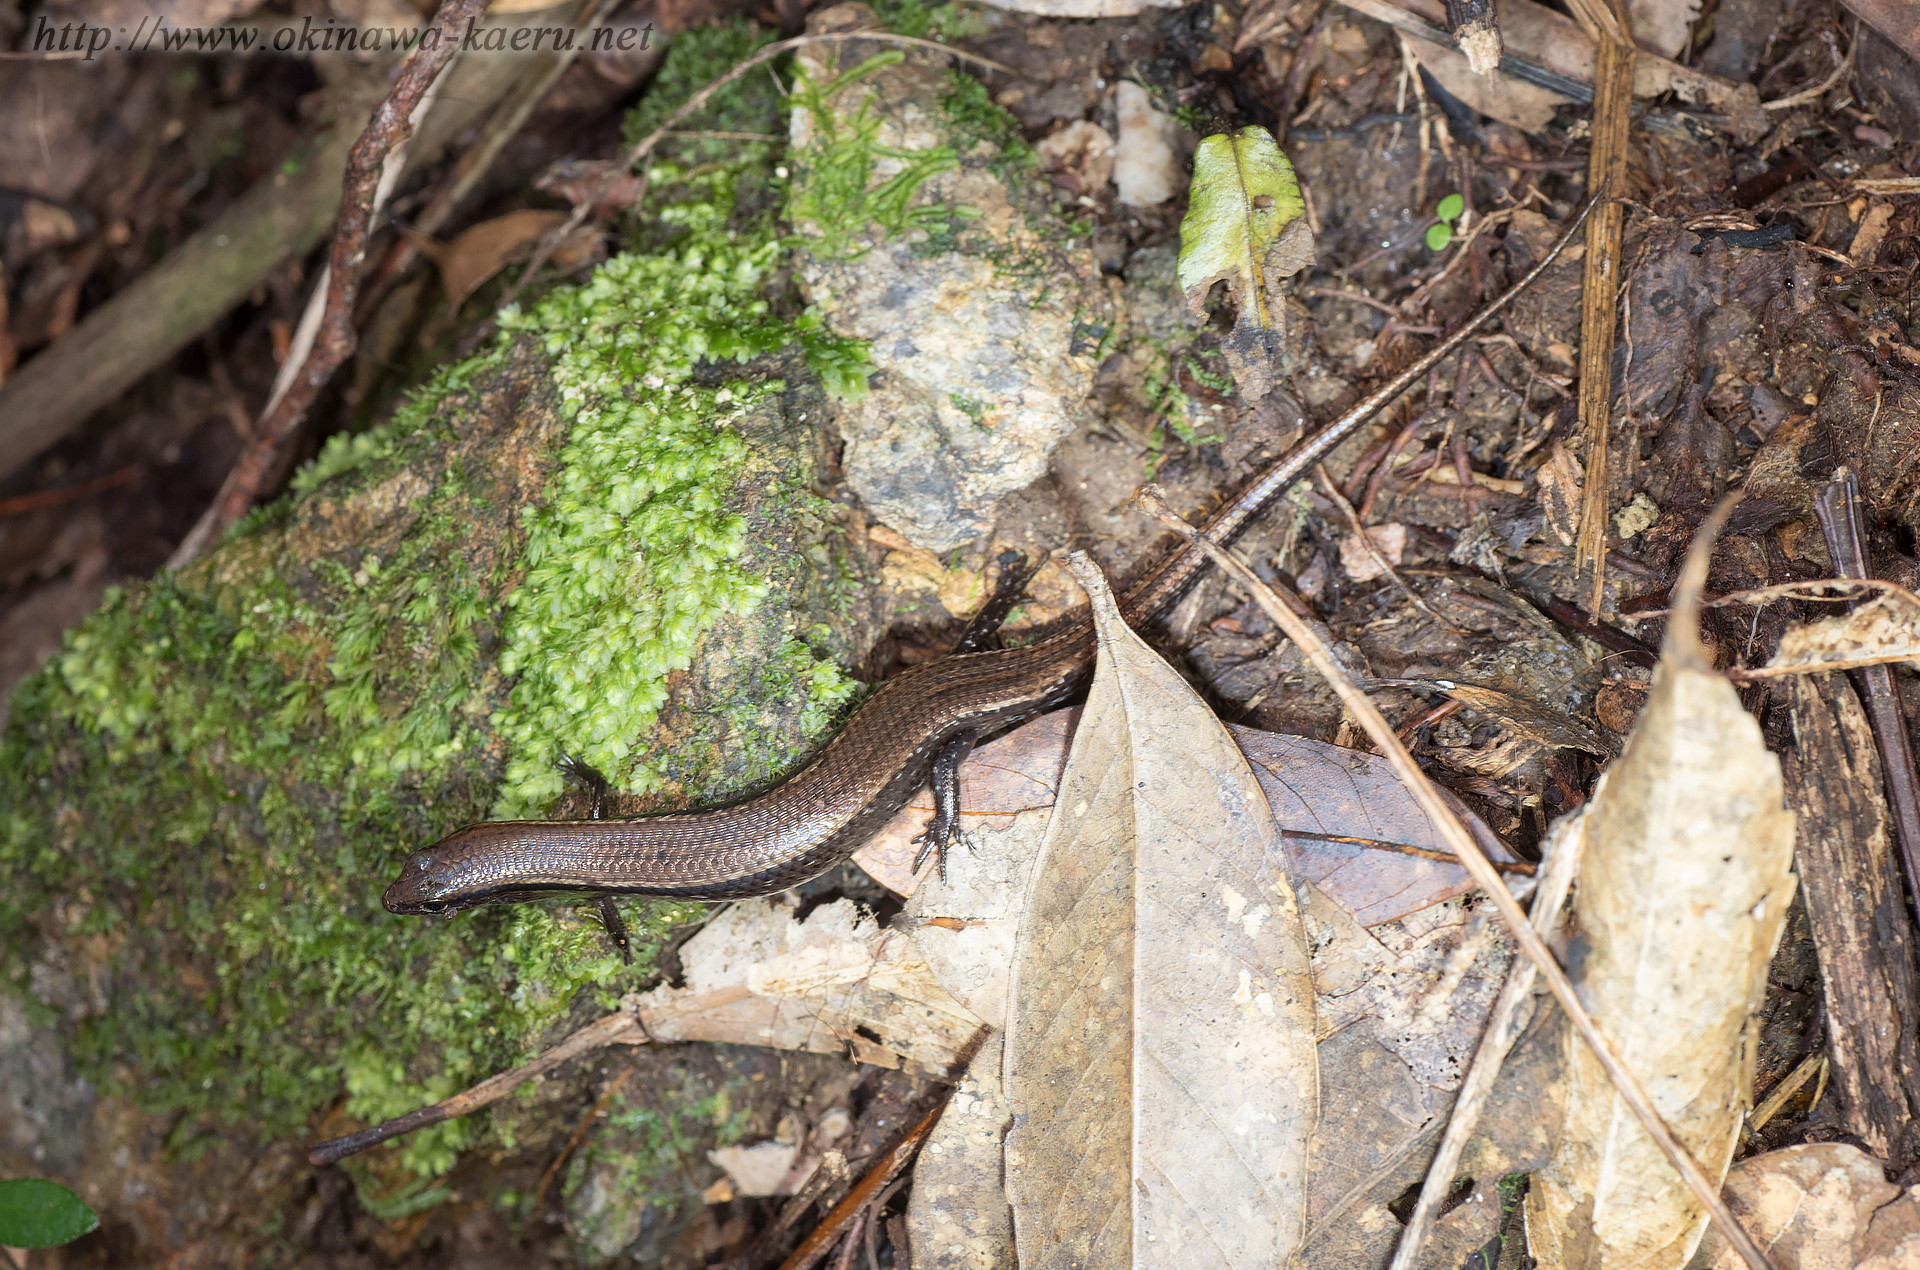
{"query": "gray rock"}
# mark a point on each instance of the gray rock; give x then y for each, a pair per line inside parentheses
(983, 312)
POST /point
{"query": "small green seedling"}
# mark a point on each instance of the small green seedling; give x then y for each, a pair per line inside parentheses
(1438, 236)
(40, 1214)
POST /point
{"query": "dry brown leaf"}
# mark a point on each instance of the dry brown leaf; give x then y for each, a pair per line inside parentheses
(833, 984)
(1884, 629)
(1160, 1056)
(1329, 802)
(1400, 1006)
(476, 254)
(1822, 1206)
(1683, 891)
(1389, 543)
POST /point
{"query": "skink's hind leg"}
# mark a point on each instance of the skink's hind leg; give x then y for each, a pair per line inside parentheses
(943, 827)
(608, 911)
(1008, 593)
(616, 927)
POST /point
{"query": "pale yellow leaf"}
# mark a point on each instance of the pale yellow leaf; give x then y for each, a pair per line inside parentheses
(1683, 891)
(1160, 1046)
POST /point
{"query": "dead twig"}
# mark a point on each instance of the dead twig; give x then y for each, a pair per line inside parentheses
(21, 504)
(1812, 591)
(540, 77)
(614, 1029)
(1785, 1090)
(837, 1222)
(1807, 97)
(1704, 1189)
(391, 124)
(1563, 861)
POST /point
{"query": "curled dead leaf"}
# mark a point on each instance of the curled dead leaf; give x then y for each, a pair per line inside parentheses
(468, 260)
(1883, 630)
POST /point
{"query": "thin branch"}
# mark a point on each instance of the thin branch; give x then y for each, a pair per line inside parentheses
(1812, 591)
(1563, 861)
(890, 1166)
(541, 74)
(1808, 96)
(614, 1029)
(21, 504)
(1705, 1191)
(390, 126)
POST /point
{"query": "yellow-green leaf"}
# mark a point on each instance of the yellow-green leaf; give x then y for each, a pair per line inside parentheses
(1246, 225)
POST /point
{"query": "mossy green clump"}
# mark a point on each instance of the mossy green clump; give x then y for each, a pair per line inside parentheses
(635, 552)
(835, 191)
(752, 105)
(974, 118)
(203, 796)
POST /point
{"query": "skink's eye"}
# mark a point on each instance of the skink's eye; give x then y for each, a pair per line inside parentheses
(422, 862)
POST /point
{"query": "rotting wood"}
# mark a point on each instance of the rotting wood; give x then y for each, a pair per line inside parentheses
(1862, 929)
(1838, 509)
(1475, 27)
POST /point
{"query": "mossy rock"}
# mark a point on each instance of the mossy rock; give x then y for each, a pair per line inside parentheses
(598, 537)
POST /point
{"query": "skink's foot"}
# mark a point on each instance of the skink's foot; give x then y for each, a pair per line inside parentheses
(588, 778)
(937, 843)
(943, 827)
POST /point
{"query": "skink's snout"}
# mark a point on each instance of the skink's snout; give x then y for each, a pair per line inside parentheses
(422, 887)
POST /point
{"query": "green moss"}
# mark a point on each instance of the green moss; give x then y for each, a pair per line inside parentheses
(751, 104)
(834, 189)
(974, 119)
(203, 796)
(971, 406)
(929, 21)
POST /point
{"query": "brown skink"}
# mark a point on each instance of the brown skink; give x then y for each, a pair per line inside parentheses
(867, 772)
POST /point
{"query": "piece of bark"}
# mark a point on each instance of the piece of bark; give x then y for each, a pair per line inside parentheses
(1599, 296)
(1861, 926)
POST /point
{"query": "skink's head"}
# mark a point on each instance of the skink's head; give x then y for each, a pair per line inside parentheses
(431, 883)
